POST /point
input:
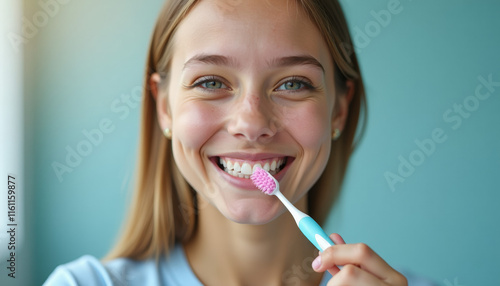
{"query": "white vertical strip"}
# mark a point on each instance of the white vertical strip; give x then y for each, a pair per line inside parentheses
(11, 140)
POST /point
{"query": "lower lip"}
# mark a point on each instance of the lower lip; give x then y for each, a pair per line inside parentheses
(247, 184)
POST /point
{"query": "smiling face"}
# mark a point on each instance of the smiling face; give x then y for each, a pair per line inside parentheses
(249, 85)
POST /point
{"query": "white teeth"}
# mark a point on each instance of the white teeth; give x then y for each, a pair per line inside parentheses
(223, 162)
(237, 167)
(273, 165)
(266, 167)
(246, 169)
(255, 167)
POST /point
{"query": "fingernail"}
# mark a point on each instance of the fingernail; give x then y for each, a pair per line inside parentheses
(316, 263)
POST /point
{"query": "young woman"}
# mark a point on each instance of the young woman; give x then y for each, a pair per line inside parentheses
(230, 85)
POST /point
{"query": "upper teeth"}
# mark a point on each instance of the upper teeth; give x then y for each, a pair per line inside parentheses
(244, 169)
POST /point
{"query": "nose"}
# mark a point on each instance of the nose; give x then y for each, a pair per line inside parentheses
(252, 118)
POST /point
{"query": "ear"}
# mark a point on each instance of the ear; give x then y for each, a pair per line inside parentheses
(342, 109)
(159, 94)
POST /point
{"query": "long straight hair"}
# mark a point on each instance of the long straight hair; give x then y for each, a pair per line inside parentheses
(163, 210)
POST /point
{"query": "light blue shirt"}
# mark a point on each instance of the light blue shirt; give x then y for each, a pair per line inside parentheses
(173, 270)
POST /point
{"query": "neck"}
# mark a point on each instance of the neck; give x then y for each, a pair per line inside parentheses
(272, 254)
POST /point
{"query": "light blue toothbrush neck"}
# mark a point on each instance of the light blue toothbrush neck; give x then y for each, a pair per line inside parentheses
(297, 215)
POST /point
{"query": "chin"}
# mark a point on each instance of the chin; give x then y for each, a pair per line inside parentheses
(254, 213)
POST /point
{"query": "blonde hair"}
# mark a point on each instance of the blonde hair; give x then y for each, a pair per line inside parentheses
(163, 210)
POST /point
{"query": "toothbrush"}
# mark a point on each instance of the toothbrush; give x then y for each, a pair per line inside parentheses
(311, 229)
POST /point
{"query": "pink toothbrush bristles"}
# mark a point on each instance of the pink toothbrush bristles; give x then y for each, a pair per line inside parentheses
(263, 180)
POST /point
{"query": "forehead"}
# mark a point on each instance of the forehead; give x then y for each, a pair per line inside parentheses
(255, 29)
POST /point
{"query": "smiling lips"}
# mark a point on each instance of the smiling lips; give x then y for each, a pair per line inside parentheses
(243, 168)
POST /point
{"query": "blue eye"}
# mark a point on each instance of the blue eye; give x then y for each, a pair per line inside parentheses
(295, 84)
(291, 85)
(213, 84)
(210, 82)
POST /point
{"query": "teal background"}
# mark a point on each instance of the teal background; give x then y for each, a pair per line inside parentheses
(440, 223)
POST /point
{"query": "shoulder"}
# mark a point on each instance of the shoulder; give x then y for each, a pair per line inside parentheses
(87, 270)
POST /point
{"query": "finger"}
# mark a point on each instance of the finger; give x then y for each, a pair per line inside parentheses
(357, 254)
(353, 275)
(336, 238)
(317, 263)
(334, 270)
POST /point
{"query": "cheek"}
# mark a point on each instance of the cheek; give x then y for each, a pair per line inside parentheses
(309, 125)
(195, 123)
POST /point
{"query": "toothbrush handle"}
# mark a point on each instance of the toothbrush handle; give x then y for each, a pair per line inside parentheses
(315, 233)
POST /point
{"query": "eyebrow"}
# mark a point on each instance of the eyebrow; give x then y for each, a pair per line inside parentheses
(277, 62)
(297, 60)
(210, 59)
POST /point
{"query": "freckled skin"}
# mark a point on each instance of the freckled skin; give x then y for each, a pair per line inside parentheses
(236, 90)
(250, 115)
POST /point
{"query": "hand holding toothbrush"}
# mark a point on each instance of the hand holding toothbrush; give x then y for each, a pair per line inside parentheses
(362, 266)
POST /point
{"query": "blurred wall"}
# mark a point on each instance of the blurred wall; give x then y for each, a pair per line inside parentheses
(421, 189)
(84, 69)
